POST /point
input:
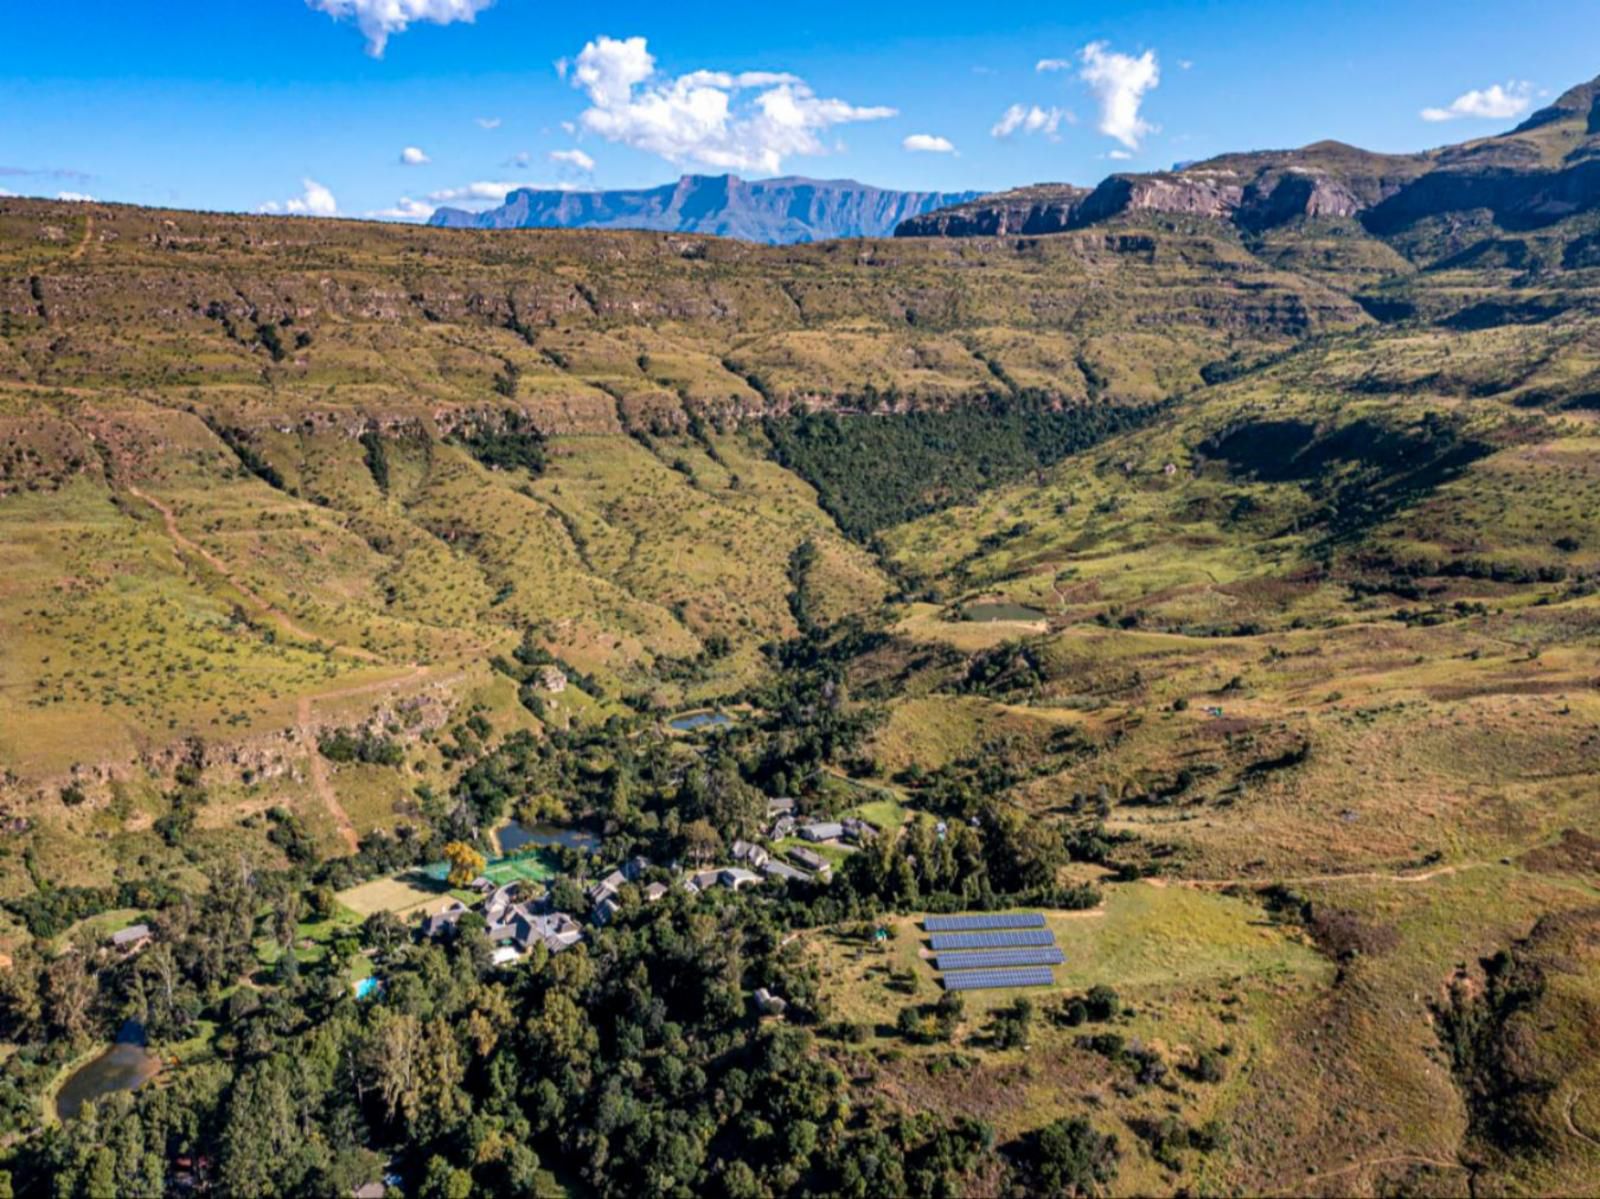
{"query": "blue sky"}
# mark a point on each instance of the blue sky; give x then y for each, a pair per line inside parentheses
(245, 104)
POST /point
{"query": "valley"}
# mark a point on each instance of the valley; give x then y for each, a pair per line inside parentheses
(1222, 582)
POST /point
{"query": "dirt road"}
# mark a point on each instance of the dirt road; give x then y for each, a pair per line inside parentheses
(1354, 876)
(320, 782)
(255, 602)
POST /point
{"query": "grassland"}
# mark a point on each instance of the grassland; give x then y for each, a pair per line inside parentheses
(1196, 971)
(1316, 679)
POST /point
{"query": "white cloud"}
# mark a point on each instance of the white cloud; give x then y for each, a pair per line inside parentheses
(412, 156)
(380, 18)
(576, 158)
(315, 200)
(928, 143)
(1120, 155)
(1019, 118)
(4, 192)
(750, 120)
(487, 122)
(405, 209)
(75, 197)
(488, 192)
(1492, 103)
(1119, 82)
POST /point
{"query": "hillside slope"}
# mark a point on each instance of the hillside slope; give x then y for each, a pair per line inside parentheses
(1430, 205)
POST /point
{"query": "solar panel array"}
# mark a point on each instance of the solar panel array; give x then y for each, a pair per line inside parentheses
(984, 980)
(968, 924)
(998, 940)
(989, 950)
(978, 959)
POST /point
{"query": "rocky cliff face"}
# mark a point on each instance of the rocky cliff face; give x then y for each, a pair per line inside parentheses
(1543, 171)
(1043, 208)
(764, 210)
(1195, 192)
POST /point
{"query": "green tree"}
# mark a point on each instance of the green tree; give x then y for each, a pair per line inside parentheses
(1070, 1158)
(441, 1180)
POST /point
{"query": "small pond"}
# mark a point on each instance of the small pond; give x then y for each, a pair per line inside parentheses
(366, 988)
(126, 1066)
(514, 836)
(1000, 611)
(690, 721)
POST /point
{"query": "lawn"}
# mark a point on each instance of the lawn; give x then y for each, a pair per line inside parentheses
(401, 894)
(834, 854)
(886, 813)
(1144, 938)
(99, 927)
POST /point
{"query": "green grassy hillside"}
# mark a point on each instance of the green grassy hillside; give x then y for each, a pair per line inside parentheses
(1251, 577)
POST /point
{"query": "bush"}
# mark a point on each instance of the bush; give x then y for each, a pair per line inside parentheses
(1102, 1003)
(346, 745)
(1070, 1158)
(1209, 1067)
(1107, 1044)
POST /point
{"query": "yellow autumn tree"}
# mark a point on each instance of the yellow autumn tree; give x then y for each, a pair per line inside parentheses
(466, 863)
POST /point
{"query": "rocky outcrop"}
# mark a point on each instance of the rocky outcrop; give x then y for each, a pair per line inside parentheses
(1516, 199)
(766, 210)
(1544, 170)
(1043, 208)
(1193, 192)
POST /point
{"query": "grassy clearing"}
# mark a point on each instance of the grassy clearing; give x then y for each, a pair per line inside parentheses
(403, 895)
(1195, 971)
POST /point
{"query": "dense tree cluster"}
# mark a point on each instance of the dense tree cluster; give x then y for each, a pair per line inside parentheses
(361, 745)
(511, 444)
(636, 1062)
(871, 474)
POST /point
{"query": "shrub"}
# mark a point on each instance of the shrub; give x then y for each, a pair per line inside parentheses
(1102, 1002)
(1070, 1158)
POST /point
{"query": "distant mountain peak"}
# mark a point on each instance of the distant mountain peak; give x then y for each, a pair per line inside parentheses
(790, 208)
(1580, 101)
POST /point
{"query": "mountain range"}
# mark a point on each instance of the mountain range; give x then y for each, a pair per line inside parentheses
(1544, 170)
(785, 210)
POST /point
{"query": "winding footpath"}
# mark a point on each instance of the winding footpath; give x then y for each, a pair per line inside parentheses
(305, 727)
(1572, 1125)
(83, 242)
(1397, 1159)
(256, 602)
(321, 784)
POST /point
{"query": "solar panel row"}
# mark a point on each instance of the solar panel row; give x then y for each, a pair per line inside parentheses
(985, 980)
(992, 940)
(982, 920)
(977, 959)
